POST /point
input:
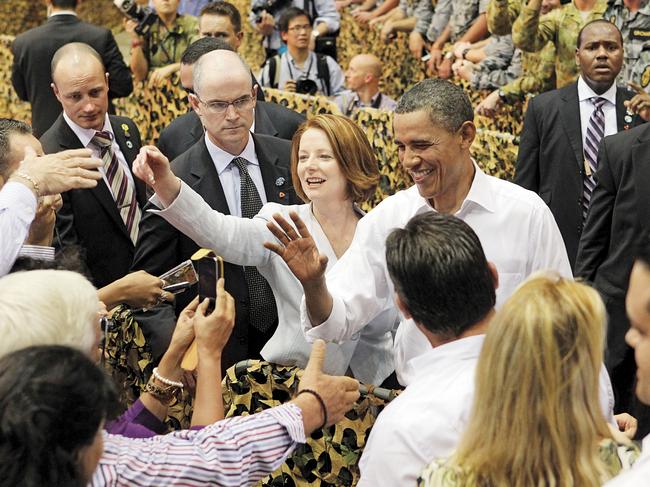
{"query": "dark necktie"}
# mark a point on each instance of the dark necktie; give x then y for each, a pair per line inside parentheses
(262, 310)
(121, 187)
(595, 132)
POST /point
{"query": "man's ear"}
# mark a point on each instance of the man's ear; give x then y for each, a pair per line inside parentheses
(467, 133)
(56, 91)
(495, 274)
(255, 88)
(402, 307)
(284, 36)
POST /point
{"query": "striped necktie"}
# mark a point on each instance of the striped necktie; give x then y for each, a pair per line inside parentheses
(595, 132)
(121, 187)
(262, 310)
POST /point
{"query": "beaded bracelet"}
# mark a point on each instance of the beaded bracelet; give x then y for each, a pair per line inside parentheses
(164, 380)
(27, 177)
(320, 400)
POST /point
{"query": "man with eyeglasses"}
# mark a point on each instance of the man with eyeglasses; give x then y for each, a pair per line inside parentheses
(300, 69)
(183, 132)
(235, 171)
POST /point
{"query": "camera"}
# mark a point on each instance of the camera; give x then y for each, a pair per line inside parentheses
(306, 86)
(272, 7)
(144, 16)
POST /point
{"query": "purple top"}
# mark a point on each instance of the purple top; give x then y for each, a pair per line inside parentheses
(136, 422)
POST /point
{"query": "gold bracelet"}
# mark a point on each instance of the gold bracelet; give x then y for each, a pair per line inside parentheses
(27, 177)
(163, 394)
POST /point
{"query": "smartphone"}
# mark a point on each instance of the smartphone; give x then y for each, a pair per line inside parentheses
(210, 269)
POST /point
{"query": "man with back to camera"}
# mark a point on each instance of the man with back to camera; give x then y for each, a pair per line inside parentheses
(225, 167)
(33, 50)
(300, 69)
(563, 128)
(434, 129)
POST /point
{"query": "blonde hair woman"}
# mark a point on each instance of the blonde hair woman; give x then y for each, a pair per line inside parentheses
(536, 418)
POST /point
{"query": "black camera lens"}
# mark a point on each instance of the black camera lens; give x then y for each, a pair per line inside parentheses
(306, 86)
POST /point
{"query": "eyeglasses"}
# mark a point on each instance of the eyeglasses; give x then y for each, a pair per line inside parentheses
(300, 28)
(220, 107)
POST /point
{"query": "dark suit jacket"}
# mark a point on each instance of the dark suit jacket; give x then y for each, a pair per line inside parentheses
(270, 119)
(89, 217)
(33, 51)
(161, 247)
(620, 207)
(551, 160)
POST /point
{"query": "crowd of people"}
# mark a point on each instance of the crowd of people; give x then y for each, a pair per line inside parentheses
(512, 318)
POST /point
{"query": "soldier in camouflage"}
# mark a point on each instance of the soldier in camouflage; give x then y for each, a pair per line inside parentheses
(530, 32)
(632, 17)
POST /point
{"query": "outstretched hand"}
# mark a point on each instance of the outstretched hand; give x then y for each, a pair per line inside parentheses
(640, 103)
(154, 169)
(337, 392)
(297, 248)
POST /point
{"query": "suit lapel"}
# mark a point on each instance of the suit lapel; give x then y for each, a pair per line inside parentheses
(570, 112)
(263, 123)
(69, 140)
(641, 168)
(277, 179)
(128, 146)
(206, 181)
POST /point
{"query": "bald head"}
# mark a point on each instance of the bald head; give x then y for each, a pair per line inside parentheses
(215, 67)
(368, 63)
(75, 54)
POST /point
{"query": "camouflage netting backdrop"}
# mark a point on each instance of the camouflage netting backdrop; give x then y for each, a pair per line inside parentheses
(330, 456)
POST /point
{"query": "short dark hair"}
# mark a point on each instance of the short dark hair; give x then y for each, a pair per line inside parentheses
(224, 9)
(448, 105)
(203, 46)
(72, 4)
(8, 127)
(598, 21)
(53, 400)
(288, 15)
(440, 272)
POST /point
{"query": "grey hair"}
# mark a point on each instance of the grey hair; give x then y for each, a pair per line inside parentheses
(199, 66)
(448, 105)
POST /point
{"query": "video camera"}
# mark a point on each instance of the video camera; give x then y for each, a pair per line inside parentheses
(144, 16)
(272, 7)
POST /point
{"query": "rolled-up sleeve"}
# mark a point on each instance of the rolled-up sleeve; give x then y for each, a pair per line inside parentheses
(17, 211)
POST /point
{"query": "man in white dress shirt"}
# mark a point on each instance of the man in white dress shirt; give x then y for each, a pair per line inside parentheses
(638, 337)
(435, 255)
(434, 130)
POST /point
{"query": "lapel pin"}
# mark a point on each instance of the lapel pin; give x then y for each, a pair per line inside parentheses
(628, 118)
(282, 194)
(280, 181)
(125, 129)
(129, 144)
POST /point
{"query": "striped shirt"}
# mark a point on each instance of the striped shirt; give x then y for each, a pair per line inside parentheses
(233, 452)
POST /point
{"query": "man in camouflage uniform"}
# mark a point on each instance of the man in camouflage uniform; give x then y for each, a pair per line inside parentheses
(538, 68)
(632, 17)
(531, 33)
(467, 23)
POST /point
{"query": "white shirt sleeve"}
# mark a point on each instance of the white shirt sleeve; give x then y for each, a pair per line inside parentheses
(17, 211)
(549, 252)
(238, 240)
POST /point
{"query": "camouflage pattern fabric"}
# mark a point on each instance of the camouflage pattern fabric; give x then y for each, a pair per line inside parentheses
(164, 47)
(330, 456)
(463, 15)
(442, 474)
(501, 14)
(635, 29)
(128, 359)
(530, 32)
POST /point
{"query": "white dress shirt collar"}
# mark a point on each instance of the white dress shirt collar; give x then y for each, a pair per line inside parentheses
(86, 135)
(222, 159)
(479, 194)
(462, 349)
(585, 92)
(63, 12)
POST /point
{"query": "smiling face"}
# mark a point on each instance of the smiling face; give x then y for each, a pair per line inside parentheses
(600, 55)
(437, 160)
(82, 88)
(638, 336)
(319, 172)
